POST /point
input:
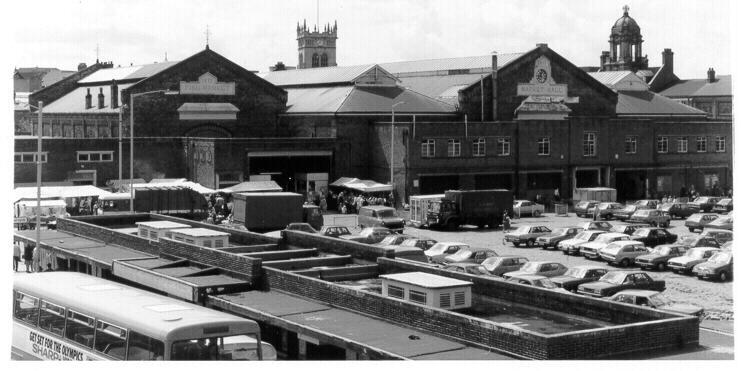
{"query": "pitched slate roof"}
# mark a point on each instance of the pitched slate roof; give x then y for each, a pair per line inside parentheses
(74, 101)
(362, 99)
(480, 62)
(105, 75)
(647, 103)
(444, 88)
(317, 76)
(700, 88)
(610, 78)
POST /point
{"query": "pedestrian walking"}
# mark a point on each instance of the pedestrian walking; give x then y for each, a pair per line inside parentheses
(27, 257)
(595, 217)
(506, 222)
(16, 256)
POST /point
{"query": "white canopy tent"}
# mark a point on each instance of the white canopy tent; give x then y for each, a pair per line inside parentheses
(365, 186)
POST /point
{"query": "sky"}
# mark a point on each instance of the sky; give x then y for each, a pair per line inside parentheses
(257, 34)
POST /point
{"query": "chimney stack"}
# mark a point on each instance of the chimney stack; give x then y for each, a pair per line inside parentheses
(604, 59)
(88, 100)
(114, 94)
(667, 59)
(494, 68)
(711, 75)
(101, 99)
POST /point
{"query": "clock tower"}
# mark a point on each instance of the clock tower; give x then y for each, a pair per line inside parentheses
(317, 48)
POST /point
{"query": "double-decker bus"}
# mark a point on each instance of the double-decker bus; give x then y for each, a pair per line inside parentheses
(73, 316)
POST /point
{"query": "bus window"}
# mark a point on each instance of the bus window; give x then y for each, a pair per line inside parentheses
(51, 318)
(26, 308)
(80, 328)
(144, 348)
(110, 340)
(237, 347)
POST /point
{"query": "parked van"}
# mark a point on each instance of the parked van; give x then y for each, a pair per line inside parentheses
(380, 216)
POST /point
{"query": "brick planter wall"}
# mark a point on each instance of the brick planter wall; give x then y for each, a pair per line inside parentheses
(107, 235)
(240, 266)
(237, 236)
(335, 245)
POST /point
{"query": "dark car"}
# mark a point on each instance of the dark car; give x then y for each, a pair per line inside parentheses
(719, 266)
(334, 231)
(704, 204)
(575, 276)
(582, 208)
(422, 243)
(614, 281)
(656, 218)
(699, 221)
(659, 257)
(679, 210)
(624, 213)
(647, 204)
(654, 236)
(723, 206)
(559, 234)
(629, 229)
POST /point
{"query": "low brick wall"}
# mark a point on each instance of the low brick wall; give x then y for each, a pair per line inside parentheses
(84, 228)
(309, 262)
(240, 266)
(460, 327)
(250, 249)
(353, 273)
(283, 254)
(335, 245)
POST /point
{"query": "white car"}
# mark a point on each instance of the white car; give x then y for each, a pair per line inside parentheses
(525, 207)
(445, 248)
(590, 250)
(573, 245)
(541, 268)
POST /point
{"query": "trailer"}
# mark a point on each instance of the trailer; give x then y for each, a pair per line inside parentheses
(267, 211)
(419, 207)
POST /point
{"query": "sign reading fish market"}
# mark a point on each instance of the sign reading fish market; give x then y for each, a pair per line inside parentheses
(207, 84)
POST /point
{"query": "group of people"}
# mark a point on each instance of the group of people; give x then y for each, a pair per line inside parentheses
(85, 206)
(348, 202)
(30, 257)
(219, 210)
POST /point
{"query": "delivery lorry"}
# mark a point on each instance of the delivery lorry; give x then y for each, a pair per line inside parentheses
(479, 208)
(267, 211)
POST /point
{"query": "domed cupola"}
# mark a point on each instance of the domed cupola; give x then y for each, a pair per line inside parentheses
(625, 46)
(626, 26)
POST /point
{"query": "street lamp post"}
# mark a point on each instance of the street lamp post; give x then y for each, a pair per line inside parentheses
(38, 176)
(131, 143)
(391, 164)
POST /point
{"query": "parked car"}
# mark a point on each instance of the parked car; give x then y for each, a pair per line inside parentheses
(543, 268)
(659, 257)
(422, 243)
(380, 216)
(651, 217)
(693, 257)
(656, 300)
(614, 281)
(536, 280)
(526, 234)
(334, 231)
(369, 235)
(407, 252)
(606, 210)
(724, 206)
(704, 204)
(393, 239)
(699, 221)
(654, 236)
(575, 276)
(470, 268)
(679, 210)
(720, 235)
(590, 250)
(582, 208)
(558, 235)
(646, 204)
(727, 246)
(722, 222)
(500, 265)
(629, 229)
(445, 248)
(697, 241)
(625, 213)
(573, 246)
(598, 225)
(303, 227)
(719, 266)
(525, 207)
(623, 252)
(471, 255)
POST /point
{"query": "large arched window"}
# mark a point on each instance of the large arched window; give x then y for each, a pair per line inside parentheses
(324, 60)
(315, 60)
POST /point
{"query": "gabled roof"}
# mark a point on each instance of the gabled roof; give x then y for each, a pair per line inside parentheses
(444, 88)
(361, 99)
(74, 101)
(317, 76)
(105, 75)
(647, 103)
(700, 88)
(481, 62)
(620, 80)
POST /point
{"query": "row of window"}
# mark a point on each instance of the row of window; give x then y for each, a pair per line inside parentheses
(82, 156)
(85, 330)
(503, 145)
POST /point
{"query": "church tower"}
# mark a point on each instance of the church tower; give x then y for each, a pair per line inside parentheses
(315, 48)
(625, 52)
